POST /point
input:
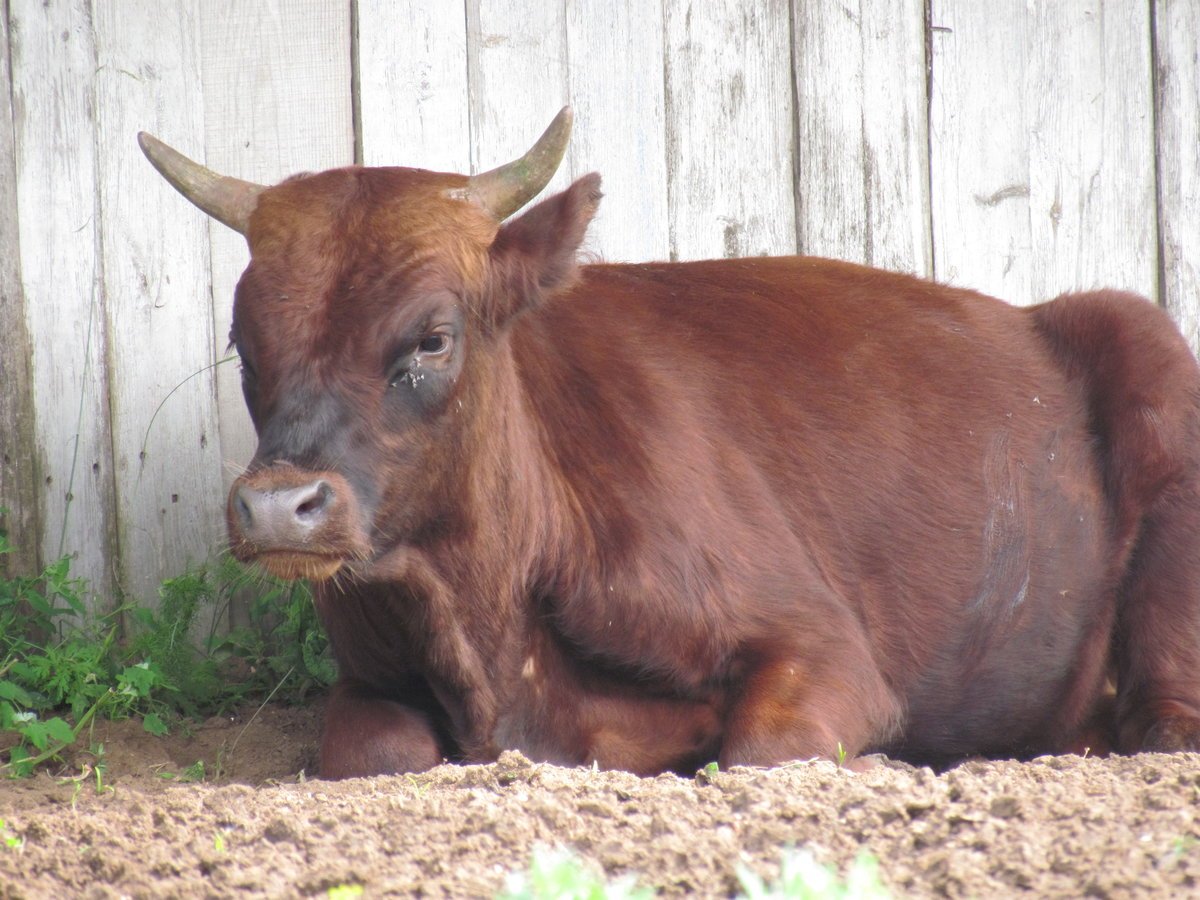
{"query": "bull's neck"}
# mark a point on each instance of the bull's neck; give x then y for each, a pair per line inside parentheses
(510, 491)
(476, 579)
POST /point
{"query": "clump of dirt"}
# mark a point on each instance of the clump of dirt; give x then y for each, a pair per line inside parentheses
(259, 827)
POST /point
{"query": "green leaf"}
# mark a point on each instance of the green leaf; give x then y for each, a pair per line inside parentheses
(12, 691)
(36, 733)
(39, 604)
(154, 724)
(802, 877)
(18, 759)
(68, 593)
(142, 617)
(558, 874)
(139, 678)
(59, 730)
(22, 670)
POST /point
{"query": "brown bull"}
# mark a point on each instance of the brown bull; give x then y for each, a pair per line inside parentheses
(652, 515)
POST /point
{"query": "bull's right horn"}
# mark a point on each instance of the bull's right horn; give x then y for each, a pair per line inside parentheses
(228, 200)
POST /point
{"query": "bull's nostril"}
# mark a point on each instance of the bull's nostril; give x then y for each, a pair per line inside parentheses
(282, 516)
(315, 501)
(245, 516)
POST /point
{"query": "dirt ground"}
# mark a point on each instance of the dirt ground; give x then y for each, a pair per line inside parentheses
(258, 827)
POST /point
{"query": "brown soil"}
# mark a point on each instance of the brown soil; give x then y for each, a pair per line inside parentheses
(1060, 826)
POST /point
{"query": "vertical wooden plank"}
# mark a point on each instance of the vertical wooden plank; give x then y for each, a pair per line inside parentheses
(53, 61)
(165, 433)
(862, 164)
(979, 147)
(412, 76)
(516, 57)
(1177, 40)
(18, 448)
(1042, 144)
(277, 101)
(729, 128)
(615, 86)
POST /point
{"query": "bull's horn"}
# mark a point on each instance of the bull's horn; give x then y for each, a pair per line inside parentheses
(228, 200)
(504, 190)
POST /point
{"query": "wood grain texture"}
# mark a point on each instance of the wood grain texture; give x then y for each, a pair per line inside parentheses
(158, 301)
(862, 124)
(53, 63)
(1177, 40)
(1041, 131)
(277, 101)
(729, 128)
(413, 97)
(18, 454)
(517, 72)
(615, 86)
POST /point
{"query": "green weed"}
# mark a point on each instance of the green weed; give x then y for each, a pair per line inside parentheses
(61, 668)
(284, 641)
(558, 874)
(89, 772)
(193, 773)
(801, 877)
(10, 840)
(47, 677)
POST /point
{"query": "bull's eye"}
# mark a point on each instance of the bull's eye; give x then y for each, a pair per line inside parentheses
(435, 344)
(430, 355)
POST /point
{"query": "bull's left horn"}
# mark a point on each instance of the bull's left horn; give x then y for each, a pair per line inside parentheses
(228, 200)
(504, 190)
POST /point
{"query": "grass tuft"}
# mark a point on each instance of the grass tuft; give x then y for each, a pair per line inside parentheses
(556, 873)
(802, 877)
(61, 667)
(560, 874)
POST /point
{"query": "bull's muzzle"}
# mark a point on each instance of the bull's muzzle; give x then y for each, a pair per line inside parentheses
(295, 523)
(288, 515)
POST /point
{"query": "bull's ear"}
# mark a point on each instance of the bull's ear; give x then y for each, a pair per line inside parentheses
(534, 255)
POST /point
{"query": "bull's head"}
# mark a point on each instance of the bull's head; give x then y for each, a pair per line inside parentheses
(364, 321)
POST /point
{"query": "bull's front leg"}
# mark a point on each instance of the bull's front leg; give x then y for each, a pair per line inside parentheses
(368, 733)
(793, 706)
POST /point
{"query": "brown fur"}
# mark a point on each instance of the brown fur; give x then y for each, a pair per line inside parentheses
(751, 510)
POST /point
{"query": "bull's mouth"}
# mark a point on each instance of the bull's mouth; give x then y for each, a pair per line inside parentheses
(295, 523)
(291, 565)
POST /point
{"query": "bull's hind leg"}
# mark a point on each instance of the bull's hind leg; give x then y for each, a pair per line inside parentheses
(1157, 642)
(369, 734)
(1143, 392)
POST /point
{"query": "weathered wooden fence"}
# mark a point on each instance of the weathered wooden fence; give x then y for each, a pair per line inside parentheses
(1024, 148)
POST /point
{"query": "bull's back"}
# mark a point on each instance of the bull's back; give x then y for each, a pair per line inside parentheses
(912, 454)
